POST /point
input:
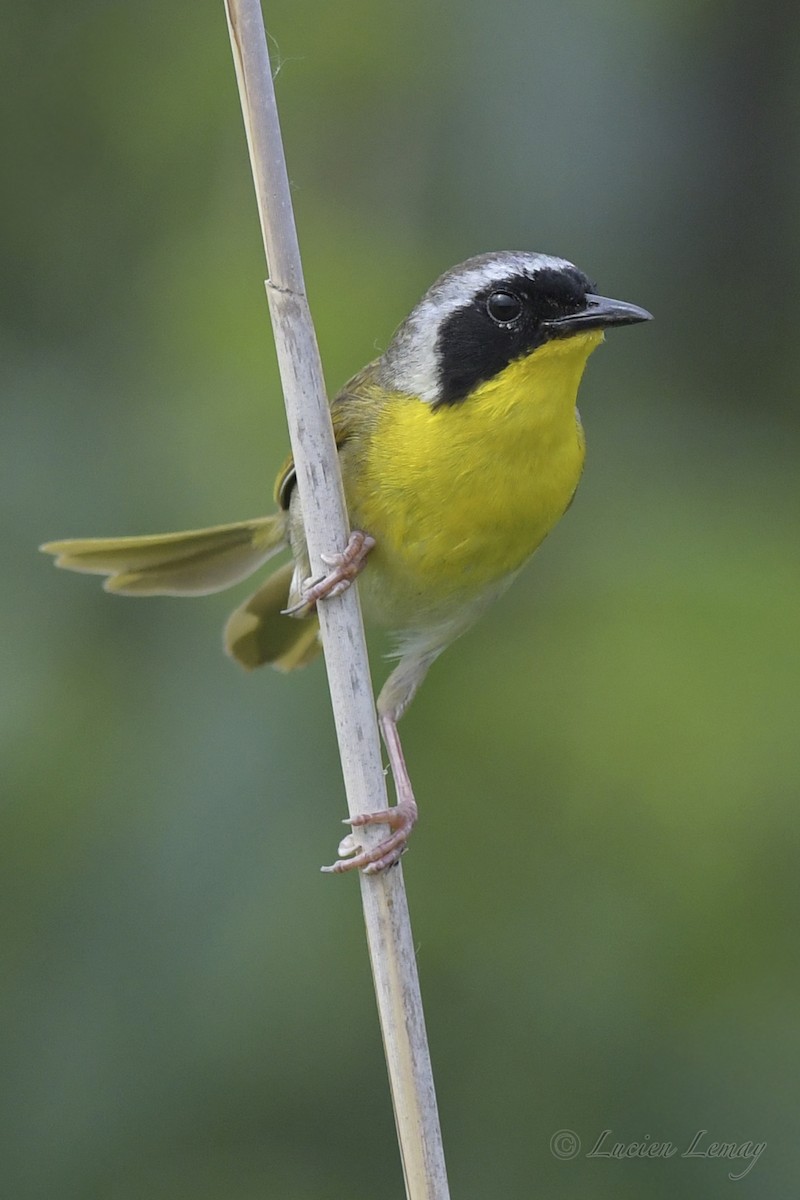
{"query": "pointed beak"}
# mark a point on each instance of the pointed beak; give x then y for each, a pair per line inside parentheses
(600, 313)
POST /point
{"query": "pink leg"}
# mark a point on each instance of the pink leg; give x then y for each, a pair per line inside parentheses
(401, 818)
(345, 567)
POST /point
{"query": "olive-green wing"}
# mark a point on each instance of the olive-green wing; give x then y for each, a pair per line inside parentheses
(352, 410)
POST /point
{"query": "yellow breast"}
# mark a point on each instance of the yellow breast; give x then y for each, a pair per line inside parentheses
(459, 497)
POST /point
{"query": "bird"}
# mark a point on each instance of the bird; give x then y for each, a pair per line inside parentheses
(460, 448)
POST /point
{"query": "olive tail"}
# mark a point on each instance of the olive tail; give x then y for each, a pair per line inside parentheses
(260, 631)
(193, 563)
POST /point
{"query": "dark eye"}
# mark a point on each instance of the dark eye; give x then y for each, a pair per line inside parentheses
(504, 307)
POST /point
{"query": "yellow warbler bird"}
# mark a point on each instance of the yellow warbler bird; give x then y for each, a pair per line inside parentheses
(460, 448)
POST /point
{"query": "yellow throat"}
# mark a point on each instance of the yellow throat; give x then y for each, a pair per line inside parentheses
(459, 496)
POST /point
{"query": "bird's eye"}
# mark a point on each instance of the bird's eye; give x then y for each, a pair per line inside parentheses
(504, 307)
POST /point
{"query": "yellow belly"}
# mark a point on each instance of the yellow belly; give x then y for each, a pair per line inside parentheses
(459, 497)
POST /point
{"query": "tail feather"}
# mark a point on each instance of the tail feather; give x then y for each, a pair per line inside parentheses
(192, 563)
(260, 632)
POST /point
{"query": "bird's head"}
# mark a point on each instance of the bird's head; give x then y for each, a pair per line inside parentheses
(488, 312)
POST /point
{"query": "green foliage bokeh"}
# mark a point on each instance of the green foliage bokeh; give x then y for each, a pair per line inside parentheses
(603, 882)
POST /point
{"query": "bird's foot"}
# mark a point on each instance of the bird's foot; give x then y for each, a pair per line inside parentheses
(401, 819)
(343, 569)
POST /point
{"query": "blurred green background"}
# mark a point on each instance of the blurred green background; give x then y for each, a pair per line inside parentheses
(604, 880)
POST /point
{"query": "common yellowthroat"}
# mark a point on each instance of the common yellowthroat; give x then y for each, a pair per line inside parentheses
(460, 448)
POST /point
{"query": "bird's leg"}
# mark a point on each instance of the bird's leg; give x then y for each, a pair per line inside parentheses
(343, 569)
(402, 817)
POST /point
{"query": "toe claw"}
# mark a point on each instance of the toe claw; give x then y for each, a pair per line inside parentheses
(342, 570)
(400, 819)
(347, 846)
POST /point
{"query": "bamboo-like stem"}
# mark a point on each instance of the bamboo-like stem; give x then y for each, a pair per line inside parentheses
(319, 484)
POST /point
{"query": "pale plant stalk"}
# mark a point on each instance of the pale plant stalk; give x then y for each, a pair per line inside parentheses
(319, 483)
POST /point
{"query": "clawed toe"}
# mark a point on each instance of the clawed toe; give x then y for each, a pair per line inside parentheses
(342, 570)
(401, 819)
